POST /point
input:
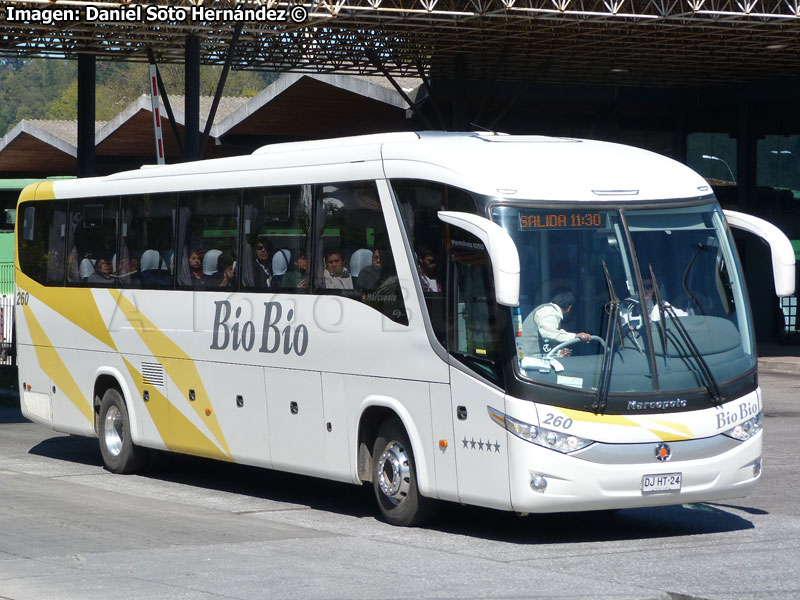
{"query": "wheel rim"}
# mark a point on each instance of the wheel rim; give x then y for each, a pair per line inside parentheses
(394, 473)
(112, 432)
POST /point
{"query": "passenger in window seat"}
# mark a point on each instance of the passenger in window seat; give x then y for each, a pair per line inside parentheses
(336, 277)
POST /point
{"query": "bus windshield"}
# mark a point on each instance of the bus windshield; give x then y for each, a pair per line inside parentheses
(635, 300)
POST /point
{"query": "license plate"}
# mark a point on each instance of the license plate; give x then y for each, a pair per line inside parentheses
(664, 482)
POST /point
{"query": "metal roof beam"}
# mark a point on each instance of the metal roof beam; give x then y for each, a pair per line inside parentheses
(643, 42)
(220, 87)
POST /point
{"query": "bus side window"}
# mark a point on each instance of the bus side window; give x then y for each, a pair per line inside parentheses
(92, 241)
(419, 202)
(42, 241)
(275, 239)
(354, 257)
(146, 253)
(208, 239)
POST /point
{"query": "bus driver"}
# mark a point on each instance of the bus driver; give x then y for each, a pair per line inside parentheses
(541, 330)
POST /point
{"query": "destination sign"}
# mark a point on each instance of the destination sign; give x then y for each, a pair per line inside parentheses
(570, 219)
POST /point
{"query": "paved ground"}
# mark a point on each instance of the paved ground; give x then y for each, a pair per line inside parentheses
(777, 358)
(200, 529)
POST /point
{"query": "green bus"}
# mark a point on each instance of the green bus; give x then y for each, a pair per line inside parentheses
(9, 192)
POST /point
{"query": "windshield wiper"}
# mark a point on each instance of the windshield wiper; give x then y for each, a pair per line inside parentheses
(612, 326)
(700, 248)
(665, 309)
(662, 324)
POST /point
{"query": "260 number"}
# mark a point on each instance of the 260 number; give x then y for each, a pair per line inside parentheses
(557, 421)
(23, 298)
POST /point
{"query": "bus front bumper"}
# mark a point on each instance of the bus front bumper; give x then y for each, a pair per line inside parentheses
(544, 480)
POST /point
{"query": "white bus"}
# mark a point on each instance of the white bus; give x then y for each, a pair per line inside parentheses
(368, 309)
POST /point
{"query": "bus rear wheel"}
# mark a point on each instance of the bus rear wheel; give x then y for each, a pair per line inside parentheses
(119, 453)
(394, 478)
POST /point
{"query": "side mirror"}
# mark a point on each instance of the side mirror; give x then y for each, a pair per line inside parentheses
(501, 248)
(781, 248)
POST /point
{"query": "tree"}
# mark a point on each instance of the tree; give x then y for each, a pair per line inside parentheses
(48, 89)
(64, 108)
(27, 90)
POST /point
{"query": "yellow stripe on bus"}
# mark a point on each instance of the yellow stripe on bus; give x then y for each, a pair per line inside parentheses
(50, 362)
(177, 432)
(680, 427)
(29, 191)
(668, 436)
(77, 305)
(681, 432)
(45, 190)
(182, 371)
(588, 417)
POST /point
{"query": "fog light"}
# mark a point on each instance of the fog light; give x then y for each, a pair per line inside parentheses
(538, 483)
(757, 468)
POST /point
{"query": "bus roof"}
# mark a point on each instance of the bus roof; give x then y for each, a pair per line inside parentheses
(510, 166)
(547, 168)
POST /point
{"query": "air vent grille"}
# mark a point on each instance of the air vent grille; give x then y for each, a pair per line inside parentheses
(152, 374)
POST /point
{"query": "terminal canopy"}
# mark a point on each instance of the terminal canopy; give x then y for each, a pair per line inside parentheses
(619, 42)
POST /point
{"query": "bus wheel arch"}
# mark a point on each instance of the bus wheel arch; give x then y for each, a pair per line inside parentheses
(103, 383)
(104, 379)
(389, 458)
(374, 411)
(371, 419)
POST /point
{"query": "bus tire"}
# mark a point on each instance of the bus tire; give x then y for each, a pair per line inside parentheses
(119, 453)
(394, 478)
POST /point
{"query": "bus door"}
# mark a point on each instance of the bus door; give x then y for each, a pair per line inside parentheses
(474, 344)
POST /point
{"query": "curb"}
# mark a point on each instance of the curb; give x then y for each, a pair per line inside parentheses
(788, 365)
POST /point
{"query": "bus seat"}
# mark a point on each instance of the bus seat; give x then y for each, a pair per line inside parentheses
(150, 261)
(280, 261)
(210, 262)
(153, 269)
(361, 258)
(86, 268)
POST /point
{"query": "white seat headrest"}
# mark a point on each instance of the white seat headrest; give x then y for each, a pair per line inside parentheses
(210, 262)
(150, 260)
(280, 261)
(86, 268)
(361, 258)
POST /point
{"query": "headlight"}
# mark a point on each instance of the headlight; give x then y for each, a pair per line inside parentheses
(541, 436)
(744, 431)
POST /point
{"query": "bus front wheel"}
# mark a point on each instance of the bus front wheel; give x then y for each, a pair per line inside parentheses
(394, 477)
(118, 451)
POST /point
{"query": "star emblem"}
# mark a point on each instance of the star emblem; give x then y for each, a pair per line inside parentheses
(480, 444)
(466, 442)
(496, 447)
(472, 442)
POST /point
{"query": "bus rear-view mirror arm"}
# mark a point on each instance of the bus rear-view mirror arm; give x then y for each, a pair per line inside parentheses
(783, 260)
(501, 249)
